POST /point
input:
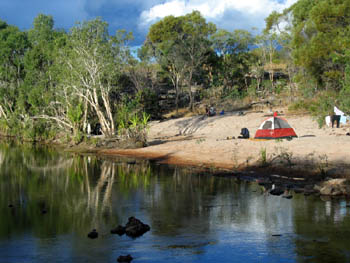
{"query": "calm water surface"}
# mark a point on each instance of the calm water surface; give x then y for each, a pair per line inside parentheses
(58, 198)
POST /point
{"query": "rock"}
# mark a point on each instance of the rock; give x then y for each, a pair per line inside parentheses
(335, 187)
(10, 205)
(120, 230)
(93, 234)
(288, 196)
(126, 258)
(276, 191)
(135, 228)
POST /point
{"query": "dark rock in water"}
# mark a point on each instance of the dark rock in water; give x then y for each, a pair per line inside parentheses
(276, 191)
(120, 230)
(10, 205)
(93, 234)
(277, 235)
(288, 196)
(135, 228)
(126, 258)
(44, 211)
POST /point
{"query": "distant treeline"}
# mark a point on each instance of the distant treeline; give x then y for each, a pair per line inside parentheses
(54, 82)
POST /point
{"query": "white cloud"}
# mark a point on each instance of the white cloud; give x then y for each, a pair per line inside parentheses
(243, 14)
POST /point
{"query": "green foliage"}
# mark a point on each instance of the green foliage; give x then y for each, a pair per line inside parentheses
(75, 113)
(233, 93)
(344, 95)
(135, 128)
(78, 137)
(36, 130)
(182, 47)
(234, 58)
(263, 157)
(280, 86)
(319, 34)
(301, 105)
(323, 106)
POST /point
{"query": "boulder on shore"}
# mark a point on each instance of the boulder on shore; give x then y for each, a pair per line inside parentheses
(334, 187)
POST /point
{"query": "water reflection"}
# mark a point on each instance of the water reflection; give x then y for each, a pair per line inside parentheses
(57, 198)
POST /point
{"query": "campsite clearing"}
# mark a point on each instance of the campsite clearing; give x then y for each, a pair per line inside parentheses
(208, 142)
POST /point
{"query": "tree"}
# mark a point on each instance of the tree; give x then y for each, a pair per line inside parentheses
(41, 98)
(233, 50)
(182, 46)
(13, 45)
(142, 71)
(320, 36)
(39, 59)
(92, 66)
(268, 45)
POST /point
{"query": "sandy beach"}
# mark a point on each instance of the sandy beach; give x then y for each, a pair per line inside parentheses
(212, 142)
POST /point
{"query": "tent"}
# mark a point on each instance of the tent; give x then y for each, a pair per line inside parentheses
(275, 128)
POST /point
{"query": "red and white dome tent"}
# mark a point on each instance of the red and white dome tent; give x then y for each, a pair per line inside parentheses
(275, 128)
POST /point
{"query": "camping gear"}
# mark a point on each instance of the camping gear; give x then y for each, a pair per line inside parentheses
(343, 119)
(244, 133)
(338, 112)
(210, 111)
(275, 128)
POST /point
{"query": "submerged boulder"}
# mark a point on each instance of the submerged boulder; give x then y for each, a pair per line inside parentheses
(135, 228)
(93, 234)
(126, 258)
(276, 190)
(120, 230)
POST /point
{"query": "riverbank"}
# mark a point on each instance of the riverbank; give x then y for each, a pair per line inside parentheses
(212, 142)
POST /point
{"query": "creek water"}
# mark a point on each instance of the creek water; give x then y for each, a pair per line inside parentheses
(50, 201)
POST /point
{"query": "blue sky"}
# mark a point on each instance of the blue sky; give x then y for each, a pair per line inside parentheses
(138, 15)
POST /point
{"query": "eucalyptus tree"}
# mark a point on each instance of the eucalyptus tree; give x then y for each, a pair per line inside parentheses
(39, 60)
(280, 26)
(13, 45)
(40, 100)
(182, 45)
(233, 50)
(92, 65)
(163, 39)
(320, 35)
(142, 70)
(197, 46)
(268, 45)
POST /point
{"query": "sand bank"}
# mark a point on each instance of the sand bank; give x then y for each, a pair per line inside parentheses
(208, 141)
